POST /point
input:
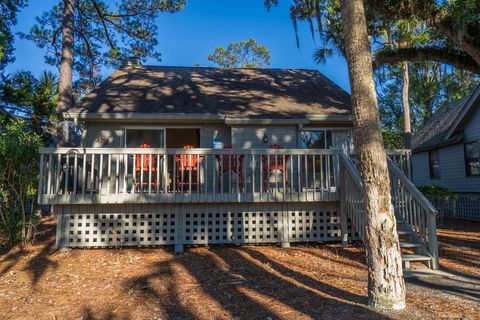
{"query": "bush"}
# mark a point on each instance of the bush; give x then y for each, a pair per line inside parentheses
(18, 177)
(437, 192)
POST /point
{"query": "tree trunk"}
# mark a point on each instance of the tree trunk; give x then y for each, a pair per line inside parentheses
(386, 287)
(66, 63)
(406, 107)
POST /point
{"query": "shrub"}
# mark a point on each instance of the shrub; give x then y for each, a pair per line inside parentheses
(18, 176)
(436, 191)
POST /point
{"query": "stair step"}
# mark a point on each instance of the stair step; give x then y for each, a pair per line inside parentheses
(410, 245)
(415, 257)
(403, 232)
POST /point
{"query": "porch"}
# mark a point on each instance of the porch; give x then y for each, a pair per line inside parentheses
(144, 196)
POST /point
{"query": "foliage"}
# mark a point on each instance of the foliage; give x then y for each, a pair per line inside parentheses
(18, 175)
(432, 86)
(22, 94)
(103, 35)
(244, 54)
(8, 18)
(436, 191)
(399, 33)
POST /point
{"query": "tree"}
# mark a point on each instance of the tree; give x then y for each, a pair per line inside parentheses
(244, 54)
(18, 173)
(95, 35)
(386, 288)
(23, 95)
(8, 18)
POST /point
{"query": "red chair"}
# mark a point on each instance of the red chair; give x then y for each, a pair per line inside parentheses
(274, 163)
(144, 163)
(187, 164)
(230, 162)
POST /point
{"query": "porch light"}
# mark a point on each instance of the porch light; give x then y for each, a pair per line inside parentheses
(265, 138)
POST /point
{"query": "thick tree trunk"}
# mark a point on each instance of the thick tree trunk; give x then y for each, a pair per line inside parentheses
(66, 63)
(407, 130)
(386, 287)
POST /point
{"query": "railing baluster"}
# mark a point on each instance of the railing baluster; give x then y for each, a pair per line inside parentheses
(150, 163)
(100, 174)
(109, 173)
(59, 167)
(92, 174)
(67, 173)
(141, 172)
(75, 173)
(117, 175)
(314, 178)
(157, 178)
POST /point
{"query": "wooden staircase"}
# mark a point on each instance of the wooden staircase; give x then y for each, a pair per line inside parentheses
(412, 249)
(415, 215)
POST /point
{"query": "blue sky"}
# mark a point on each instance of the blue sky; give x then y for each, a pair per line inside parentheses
(187, 37)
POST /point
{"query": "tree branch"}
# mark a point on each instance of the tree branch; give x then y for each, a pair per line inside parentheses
(102, 19)
(456, 59)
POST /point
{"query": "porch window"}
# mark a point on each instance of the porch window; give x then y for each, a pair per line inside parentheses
(135, 137)
(434, 164)
(340, 139)
(472, 158)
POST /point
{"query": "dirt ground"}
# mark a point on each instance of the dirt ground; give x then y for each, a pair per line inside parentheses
(314, 281)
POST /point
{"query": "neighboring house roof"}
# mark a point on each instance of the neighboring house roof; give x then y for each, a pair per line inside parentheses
(237, 93)
(445, 126)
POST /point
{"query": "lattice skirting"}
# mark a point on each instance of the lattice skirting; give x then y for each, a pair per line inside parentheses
(162, 224)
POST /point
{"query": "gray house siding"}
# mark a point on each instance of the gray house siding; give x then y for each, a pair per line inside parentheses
(472, 129)
(452, 163)
(115, 132)
(249, 137)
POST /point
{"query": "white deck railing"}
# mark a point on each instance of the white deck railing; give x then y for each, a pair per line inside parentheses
(148, 175)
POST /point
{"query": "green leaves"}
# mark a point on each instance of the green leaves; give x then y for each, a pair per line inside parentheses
(36, 99)
(244, 54)
(18, 175)
(8, 18)
(103, 35)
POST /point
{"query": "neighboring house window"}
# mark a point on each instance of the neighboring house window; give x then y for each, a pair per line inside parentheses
(135, 137)
(434, 164)
(472, 158)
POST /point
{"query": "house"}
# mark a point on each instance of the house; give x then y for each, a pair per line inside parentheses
(446, 150)
(179, 155)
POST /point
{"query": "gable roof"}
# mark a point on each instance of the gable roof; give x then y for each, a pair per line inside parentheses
(445, 126)
(236, 93)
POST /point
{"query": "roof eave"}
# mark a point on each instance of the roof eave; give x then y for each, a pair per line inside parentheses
(454, 140)
(460, 120)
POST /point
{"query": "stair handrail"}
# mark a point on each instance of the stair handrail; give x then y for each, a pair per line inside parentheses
(424, 231)
(414, 219)
(351, 193)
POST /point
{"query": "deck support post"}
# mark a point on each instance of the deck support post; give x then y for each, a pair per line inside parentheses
(283, 227)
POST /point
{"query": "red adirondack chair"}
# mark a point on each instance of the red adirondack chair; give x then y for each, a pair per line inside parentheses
(144, 163)
(274, 163)
(187, 166)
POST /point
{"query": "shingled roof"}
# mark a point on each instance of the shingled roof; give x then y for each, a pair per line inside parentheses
(443, 127)
(244, 93)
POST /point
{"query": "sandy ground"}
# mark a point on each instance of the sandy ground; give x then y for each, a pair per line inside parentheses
(314, 281)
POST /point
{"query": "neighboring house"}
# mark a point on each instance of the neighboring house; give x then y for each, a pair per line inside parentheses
(178, 155)
(446, 150)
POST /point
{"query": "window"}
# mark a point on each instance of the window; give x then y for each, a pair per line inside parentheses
(134, 137)
(472, 159)
(340, 139)
(434, 164)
